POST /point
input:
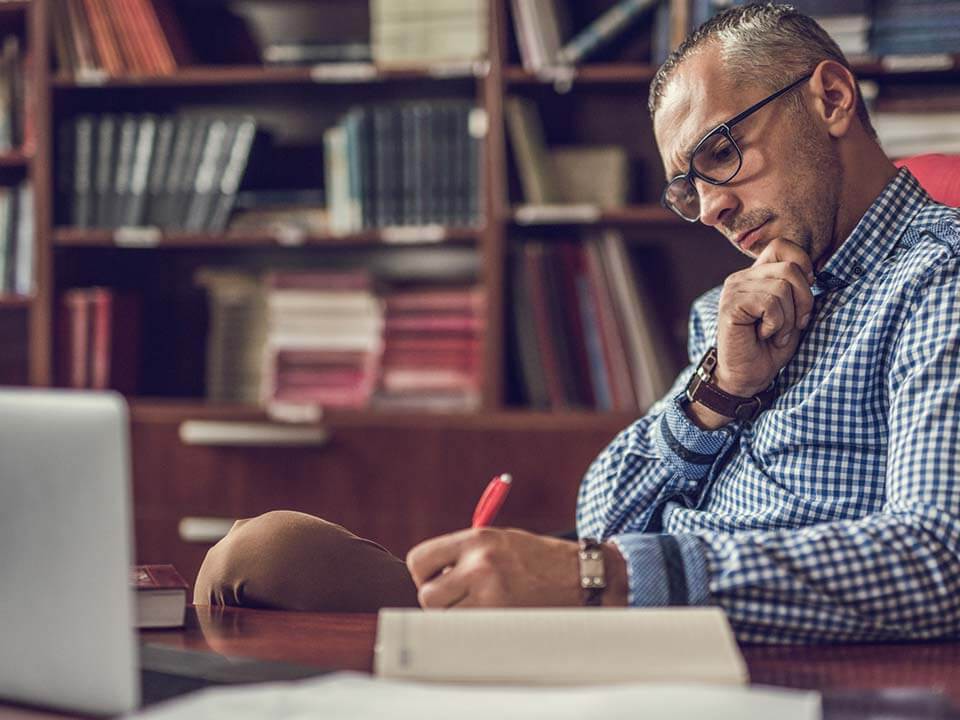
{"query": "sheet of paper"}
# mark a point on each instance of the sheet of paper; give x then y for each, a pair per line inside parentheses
(559, 646)
(350, 696)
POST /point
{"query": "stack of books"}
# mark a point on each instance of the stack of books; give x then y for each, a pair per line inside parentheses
(16, 240)
(917, 27)
(584, 330)
(422, 32)
(113, 38)
(171, 171)
(324, 338)
(432, 349)
(411, 163)
(235, 335)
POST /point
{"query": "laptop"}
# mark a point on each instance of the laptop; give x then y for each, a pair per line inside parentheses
(66, 608)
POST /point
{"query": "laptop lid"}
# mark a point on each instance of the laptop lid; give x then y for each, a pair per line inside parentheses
(66, 609)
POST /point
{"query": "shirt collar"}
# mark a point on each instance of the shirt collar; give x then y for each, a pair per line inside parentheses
(876, 235)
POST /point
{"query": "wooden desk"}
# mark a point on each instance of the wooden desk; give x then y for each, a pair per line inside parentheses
(345, 642)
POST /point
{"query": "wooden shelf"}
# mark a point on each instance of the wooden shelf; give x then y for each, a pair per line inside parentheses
(638, 73)
(14, 159)
(166, 411)
(13, 6)
(155, 238)
(15, 301)
(908, 66)
(330, 73)
(559, 215)
(598, 74)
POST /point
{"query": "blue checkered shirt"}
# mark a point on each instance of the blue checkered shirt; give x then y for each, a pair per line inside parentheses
(835, 515)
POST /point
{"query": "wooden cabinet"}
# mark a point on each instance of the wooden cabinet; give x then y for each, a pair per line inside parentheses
(396, 479)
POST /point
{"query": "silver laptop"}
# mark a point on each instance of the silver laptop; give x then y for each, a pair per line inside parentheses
(66, 610)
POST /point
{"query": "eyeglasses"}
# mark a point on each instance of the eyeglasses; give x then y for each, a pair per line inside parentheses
(716, 159)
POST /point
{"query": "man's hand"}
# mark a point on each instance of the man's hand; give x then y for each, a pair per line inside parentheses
(494, 567)
(763, 311)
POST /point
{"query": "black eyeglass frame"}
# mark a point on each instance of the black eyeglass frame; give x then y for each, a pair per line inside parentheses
(722, 129)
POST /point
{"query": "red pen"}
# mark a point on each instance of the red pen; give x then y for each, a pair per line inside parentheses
(489, 504)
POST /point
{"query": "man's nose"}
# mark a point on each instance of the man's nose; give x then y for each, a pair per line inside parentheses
(716, 201)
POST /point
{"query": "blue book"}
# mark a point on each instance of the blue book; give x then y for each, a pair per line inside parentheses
(603, 30)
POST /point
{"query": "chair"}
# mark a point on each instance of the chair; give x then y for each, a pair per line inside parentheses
(938, 174)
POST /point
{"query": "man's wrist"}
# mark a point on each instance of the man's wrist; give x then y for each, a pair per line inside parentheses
(705, 418)
(618, 587)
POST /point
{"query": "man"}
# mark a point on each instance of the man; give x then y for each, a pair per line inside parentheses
(802, 473)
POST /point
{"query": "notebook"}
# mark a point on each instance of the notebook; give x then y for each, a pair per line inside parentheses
(559, 646)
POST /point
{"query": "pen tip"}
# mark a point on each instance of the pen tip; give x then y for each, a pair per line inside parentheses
(506, 478)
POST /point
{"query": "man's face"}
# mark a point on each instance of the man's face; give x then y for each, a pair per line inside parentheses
(789, 184)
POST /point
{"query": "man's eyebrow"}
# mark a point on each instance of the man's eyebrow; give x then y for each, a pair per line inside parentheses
(685, 157)
(687, 154)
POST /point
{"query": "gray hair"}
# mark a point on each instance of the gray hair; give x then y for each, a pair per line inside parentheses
(770, 45)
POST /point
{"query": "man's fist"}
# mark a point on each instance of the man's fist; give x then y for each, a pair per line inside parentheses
(763, 311)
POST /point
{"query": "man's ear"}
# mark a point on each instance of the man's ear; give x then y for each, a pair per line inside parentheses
(834, 92)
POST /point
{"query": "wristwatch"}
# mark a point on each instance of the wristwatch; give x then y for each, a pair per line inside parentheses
(593, 578)
(702, 389)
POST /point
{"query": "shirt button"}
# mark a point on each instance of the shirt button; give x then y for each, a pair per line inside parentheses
(858, 269)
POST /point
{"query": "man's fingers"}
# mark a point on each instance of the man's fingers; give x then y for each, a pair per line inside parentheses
(764, 303)
(445, 590)
(780, 250)
(802, 296)
(430, 557)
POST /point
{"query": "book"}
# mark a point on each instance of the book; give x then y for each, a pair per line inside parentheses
(530, 150)
(161, 596)
(603, 30)
(547, 646)
(590, 174)
(99, 339)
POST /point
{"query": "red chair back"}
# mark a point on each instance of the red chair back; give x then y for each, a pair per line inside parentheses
(938, 174)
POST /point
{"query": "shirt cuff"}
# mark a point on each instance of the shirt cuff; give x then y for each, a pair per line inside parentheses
(687, 448)
(664, 570)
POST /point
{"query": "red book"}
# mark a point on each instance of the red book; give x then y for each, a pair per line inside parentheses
(75, 339)
(103, 39)
(161, 595)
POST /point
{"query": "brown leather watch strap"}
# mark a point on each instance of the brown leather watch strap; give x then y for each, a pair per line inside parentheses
(701, 389)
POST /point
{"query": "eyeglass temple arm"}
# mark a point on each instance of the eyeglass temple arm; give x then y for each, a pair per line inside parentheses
(756, 106)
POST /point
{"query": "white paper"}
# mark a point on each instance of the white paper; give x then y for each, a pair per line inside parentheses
(559, 646)
(350, 696)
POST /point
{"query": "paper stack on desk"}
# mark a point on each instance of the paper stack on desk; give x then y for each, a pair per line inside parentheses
(349, 696)
(559, 646)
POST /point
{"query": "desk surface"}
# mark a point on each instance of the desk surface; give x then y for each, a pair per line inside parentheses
(345, 642)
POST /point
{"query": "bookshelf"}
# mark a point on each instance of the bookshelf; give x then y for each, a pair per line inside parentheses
(446, 456)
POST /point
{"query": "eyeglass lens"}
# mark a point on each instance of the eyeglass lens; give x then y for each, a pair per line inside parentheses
(718, 160)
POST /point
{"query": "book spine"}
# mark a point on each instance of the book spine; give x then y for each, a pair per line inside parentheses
(77, 310)
(603, 30)
(119, 199)
(136, 201)
(106, 134)
(82, 210)
(103, 38)
(233, 173)
(157, 173)
(204, 179)
(100, 302)
(23, 274)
